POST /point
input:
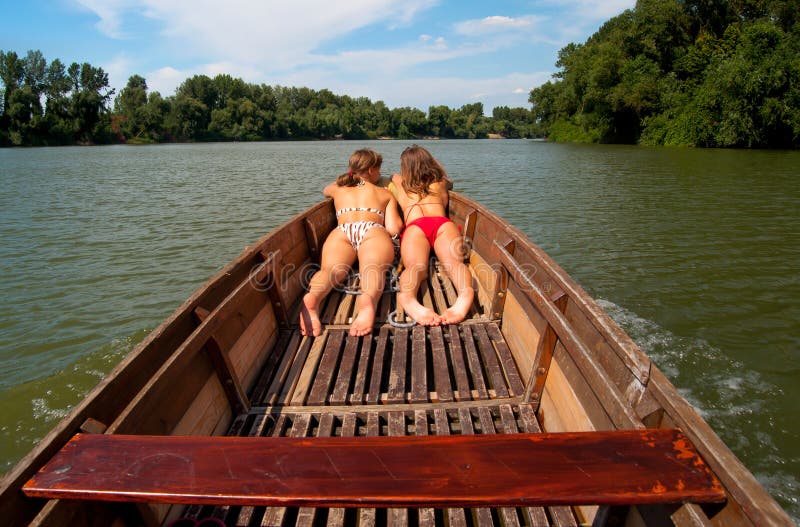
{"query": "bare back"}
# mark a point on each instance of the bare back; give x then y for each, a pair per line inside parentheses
(415, 206)
(366, 196)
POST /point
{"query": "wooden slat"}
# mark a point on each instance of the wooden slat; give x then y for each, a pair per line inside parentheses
(459, 365)
(615, 468)
(346, 370)
(261, 385)
(358, 393)
(490, 360)
(304, 362)
(419, 366)
(276, 386)
(327, 368)
(475, 367)
(397, 374)
(378, 362)
(506, 359)
(441, 373)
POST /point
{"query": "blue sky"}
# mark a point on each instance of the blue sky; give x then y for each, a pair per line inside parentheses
(415, 53)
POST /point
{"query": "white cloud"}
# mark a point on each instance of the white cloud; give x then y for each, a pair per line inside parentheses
(253, 30)
(110, 13)
(594, 10)
(166, 80)
(497, 24)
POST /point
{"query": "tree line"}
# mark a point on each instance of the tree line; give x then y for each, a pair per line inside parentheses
(50, 104)
(706, 73)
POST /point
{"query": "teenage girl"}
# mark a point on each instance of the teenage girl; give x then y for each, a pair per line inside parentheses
(367, 215)
(422, 193)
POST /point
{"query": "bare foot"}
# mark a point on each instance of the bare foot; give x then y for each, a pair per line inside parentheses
(310, 324)
(362, 325)
(422, 315)
(458, 311)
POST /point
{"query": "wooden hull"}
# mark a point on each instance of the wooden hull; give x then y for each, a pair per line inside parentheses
(538, 354)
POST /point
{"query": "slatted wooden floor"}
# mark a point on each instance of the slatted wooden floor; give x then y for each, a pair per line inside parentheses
(397, 381)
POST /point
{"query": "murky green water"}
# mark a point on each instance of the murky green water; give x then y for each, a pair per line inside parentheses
(694, 252)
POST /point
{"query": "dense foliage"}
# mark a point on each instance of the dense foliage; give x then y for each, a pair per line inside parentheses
(48, 105)
(710, 73)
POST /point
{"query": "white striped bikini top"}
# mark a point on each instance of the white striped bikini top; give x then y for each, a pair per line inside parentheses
(359, 209)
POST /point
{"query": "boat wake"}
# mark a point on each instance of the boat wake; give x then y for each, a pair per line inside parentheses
(729, 396)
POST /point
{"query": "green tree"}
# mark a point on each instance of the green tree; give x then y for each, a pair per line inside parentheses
(131, 105)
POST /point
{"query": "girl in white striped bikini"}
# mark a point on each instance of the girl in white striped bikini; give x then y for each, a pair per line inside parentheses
(367, 215)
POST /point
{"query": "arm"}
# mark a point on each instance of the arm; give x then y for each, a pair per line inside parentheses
(329, 191)
(394, 222)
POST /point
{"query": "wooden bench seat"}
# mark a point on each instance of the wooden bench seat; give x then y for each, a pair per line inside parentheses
(604, 468)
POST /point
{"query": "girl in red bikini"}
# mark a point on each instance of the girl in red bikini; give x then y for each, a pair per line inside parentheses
(367, 215)
(422, 189)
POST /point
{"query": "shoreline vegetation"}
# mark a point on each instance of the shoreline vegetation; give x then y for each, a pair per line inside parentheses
(695, 73)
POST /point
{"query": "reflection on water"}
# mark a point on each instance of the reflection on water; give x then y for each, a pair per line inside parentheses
(693, 252)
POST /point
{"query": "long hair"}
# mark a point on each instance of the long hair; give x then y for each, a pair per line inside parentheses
(419, 169)
(360, 162)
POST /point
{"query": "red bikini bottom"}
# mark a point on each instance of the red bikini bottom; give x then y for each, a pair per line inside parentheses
(429, 225)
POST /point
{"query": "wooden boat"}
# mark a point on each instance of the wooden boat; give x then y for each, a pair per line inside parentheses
(536, 410)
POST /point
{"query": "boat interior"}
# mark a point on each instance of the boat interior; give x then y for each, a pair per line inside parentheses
(535, 354)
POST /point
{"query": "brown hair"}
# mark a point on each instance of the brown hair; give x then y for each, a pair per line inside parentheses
(419, 170)
(360, 162)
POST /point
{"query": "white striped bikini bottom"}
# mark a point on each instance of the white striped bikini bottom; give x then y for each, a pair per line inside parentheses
(355, 231)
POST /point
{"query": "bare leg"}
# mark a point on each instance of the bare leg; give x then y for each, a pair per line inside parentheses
(375, 255)
(415, 251)
(337, 259)
(449, 251)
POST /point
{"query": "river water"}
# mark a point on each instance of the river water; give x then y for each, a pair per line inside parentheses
(693, 252)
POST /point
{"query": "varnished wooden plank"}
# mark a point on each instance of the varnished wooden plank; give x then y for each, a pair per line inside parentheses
(456, 517)
(489, 356)
(562, 516)
(419, 366)
(509, 426)
(441, 373)
(378, 362)
(397, 374)
(475, 367)
(346, 370)
(506, 359)
(459, 365)
(397, 428)
(327, 368)
(426, 515)
(307, 515)
(367, 516)
(483, 515)
(299, 429)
